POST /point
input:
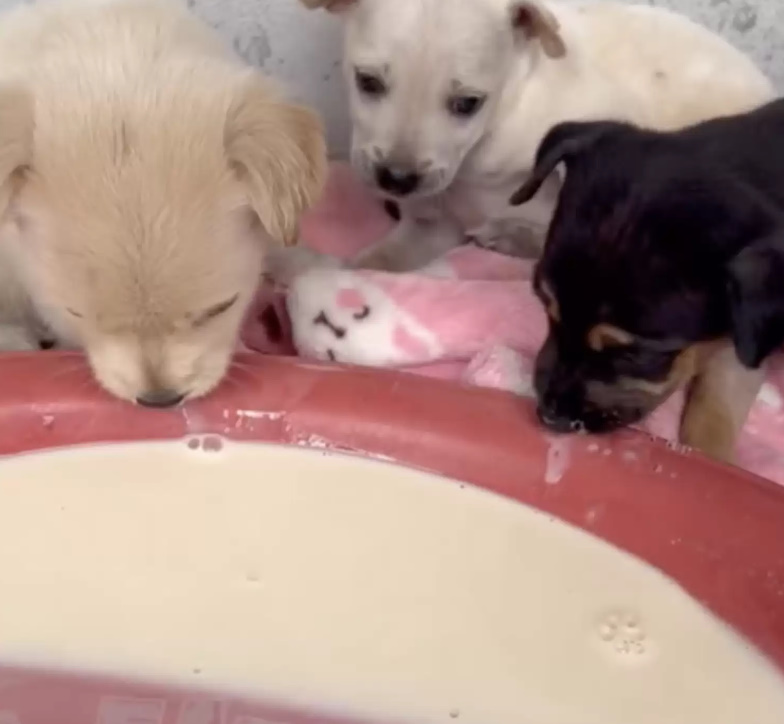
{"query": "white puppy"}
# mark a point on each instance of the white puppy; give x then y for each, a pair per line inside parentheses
(450, 99)
(144, 171)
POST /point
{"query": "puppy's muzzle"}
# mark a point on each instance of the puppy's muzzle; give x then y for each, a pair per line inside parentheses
(398, 180)
(570, 410)
(556, 422)
(588, 417)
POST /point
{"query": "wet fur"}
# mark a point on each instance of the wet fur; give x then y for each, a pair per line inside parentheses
(676, 242)
(144, 173)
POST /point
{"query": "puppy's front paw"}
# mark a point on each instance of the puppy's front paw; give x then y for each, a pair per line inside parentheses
(284, 264)
(512, 238)
(381, 258)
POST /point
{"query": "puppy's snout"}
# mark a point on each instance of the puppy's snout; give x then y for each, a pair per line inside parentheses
(399, 180)
(557, 420)
(559, 396)
(160, 398)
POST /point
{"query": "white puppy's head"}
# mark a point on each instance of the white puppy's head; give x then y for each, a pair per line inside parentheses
(140, 231)
(426, 78)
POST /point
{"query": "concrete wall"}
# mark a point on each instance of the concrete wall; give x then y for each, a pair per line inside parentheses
(302, 48)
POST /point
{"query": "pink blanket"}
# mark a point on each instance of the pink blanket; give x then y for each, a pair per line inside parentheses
(470, 316)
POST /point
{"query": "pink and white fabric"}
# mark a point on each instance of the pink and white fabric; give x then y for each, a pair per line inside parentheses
(470, 316)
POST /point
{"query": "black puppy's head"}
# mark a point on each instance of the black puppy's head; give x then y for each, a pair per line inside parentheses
(654, 259)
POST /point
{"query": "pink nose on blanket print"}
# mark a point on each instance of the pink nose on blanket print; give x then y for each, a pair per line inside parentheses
(400, 320)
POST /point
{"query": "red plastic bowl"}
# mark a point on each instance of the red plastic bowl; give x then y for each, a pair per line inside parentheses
(718, 531)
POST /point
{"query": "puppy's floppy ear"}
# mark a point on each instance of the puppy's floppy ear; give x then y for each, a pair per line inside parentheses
(278, 150)
(532, 19)
(756, 298)
(16, 138)
(333, 6)
(562, 144)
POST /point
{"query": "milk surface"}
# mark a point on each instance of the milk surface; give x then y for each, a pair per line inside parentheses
(350, 585)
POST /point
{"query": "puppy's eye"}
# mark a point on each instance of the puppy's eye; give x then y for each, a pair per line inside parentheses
(215, 311)
(642, 363)
(369, 84)
(465, 106)
(73, 313)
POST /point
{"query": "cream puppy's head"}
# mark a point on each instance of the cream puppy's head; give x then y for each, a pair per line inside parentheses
(140, 229)
(427, 77)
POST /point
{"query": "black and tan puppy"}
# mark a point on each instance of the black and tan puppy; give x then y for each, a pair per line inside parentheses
(663, 267)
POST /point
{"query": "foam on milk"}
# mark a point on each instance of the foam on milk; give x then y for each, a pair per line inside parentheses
(352, 585)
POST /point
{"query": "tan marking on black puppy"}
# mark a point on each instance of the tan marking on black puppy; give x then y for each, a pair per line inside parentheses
(607, 335)
(718, 403)
(665, 260)
(684, 368)
(720, 392)
(641, 393)
(550, 302)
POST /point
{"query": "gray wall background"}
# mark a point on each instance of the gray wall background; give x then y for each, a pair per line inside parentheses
(302, 48)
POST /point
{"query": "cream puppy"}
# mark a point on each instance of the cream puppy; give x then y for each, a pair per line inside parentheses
(144, 173)
(450, 100)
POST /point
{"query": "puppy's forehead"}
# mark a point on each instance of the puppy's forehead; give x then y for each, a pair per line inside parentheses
(163, 259)
(647, 302)
(389, 32)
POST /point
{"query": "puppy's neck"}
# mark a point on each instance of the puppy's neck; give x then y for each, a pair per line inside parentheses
(534, 80)
(535, 95)
(540, 92)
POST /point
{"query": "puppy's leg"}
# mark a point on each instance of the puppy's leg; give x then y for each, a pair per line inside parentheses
(283, 264)
(412, 244)
(415, 241)
(512, 238)
(718, 403)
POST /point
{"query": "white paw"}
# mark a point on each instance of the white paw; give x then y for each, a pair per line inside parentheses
(339, 315)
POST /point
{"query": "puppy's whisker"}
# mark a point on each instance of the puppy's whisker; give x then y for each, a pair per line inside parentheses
(84, 374)
(237, 384)
(243, 367)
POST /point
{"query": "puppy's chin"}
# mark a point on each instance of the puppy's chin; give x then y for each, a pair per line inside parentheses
(594, 421)
(601, 422)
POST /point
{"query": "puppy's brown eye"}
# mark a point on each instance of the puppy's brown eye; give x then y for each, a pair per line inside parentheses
(465, 106)
(215, 311)
(369, 84)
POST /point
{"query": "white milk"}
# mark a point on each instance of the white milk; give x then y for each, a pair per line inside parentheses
(351, 584)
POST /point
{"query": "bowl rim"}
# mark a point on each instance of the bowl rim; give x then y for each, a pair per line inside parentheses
(716, 530)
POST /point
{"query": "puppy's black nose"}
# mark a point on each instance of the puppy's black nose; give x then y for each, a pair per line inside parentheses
(556, 422)
(160, 398)
(397, 180)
